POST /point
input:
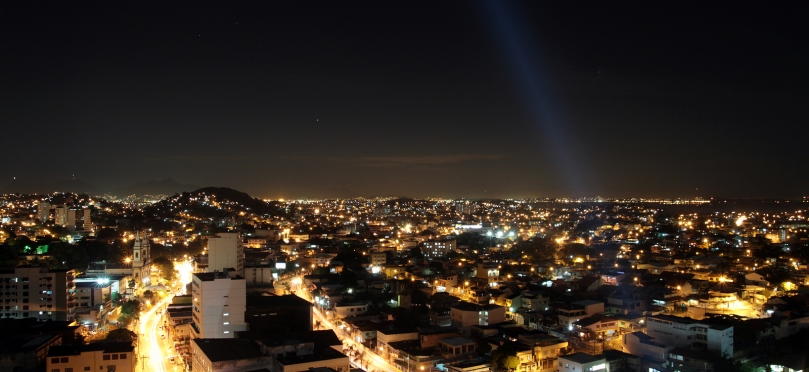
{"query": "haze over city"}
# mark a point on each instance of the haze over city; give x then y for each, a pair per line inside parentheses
(449, 99)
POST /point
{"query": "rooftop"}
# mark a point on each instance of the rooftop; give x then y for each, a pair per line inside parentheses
(222, 349)
(283, 301)
(582, 358)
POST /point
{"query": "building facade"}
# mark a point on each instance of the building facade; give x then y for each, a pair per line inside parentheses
(226, 251)
(218, 304)
(691, 334)
(38, 292)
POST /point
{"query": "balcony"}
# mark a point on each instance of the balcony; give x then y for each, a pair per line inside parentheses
(196, 330)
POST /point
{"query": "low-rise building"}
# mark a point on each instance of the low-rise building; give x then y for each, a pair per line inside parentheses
(690, 333)
(226, 355)
(113, 356)
(583, 362)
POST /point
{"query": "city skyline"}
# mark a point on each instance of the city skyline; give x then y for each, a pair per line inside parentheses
(454, 100)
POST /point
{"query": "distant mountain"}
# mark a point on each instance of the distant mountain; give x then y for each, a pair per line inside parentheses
(214, 202)
(167, 186)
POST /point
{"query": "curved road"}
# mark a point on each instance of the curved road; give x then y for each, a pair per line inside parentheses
(152, 345)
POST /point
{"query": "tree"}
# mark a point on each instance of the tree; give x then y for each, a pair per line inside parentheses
(130, 308)
(166, 268)
(148, 294)
(483, 347)
(510, 362)
(116, 298)
(416, 252)
(504, 357)
(121, 335)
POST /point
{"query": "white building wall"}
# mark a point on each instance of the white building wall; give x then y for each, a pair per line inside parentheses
(218, 306)
(226, 251)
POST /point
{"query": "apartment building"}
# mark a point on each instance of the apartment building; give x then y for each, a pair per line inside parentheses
(438, 248)
(218, 303)
(226, 250)
(38, 292)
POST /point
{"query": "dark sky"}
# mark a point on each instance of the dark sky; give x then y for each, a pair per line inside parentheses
(441, 98)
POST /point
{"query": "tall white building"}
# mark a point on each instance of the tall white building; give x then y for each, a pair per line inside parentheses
(219, 303)
(226, 250)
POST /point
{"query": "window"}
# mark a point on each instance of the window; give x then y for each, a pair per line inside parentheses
(54, 360)
(106, 357)
(68, 369)
(114, 356)
(63, 360)
(86, 368)
(123, 356)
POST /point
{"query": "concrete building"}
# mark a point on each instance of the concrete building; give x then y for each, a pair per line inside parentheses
(387, 336)
(342, 310)
(258, 274)
(38, 292)
(488, 271)
(112, 356)
(545, 348)
(466, 314)
(219, 303)
(575, 311)
(60, 216)
(690, 333)
(226, 251)
(43, 211)
(582, 362)
(438, 248)
(227, 355)
(288, 313)
(378, 258)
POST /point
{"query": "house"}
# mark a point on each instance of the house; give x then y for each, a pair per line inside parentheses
(587, 283)
(598, 325)
(569, 313)
(466, 314)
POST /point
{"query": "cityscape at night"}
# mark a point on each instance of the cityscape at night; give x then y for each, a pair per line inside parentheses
(481, 186)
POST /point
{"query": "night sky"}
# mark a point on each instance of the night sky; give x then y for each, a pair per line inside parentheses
(442, 98)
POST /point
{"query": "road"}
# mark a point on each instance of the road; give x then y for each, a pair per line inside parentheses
(152, 346)
(370, 361)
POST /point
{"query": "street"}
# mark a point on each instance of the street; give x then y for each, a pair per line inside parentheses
(152, 348)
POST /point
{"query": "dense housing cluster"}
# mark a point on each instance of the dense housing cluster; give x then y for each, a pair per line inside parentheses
(418, 284)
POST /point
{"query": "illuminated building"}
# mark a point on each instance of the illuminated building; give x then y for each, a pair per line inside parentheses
(687, 332)
(141, 270)
(225, 250)
(219, 302)
(38, 292)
